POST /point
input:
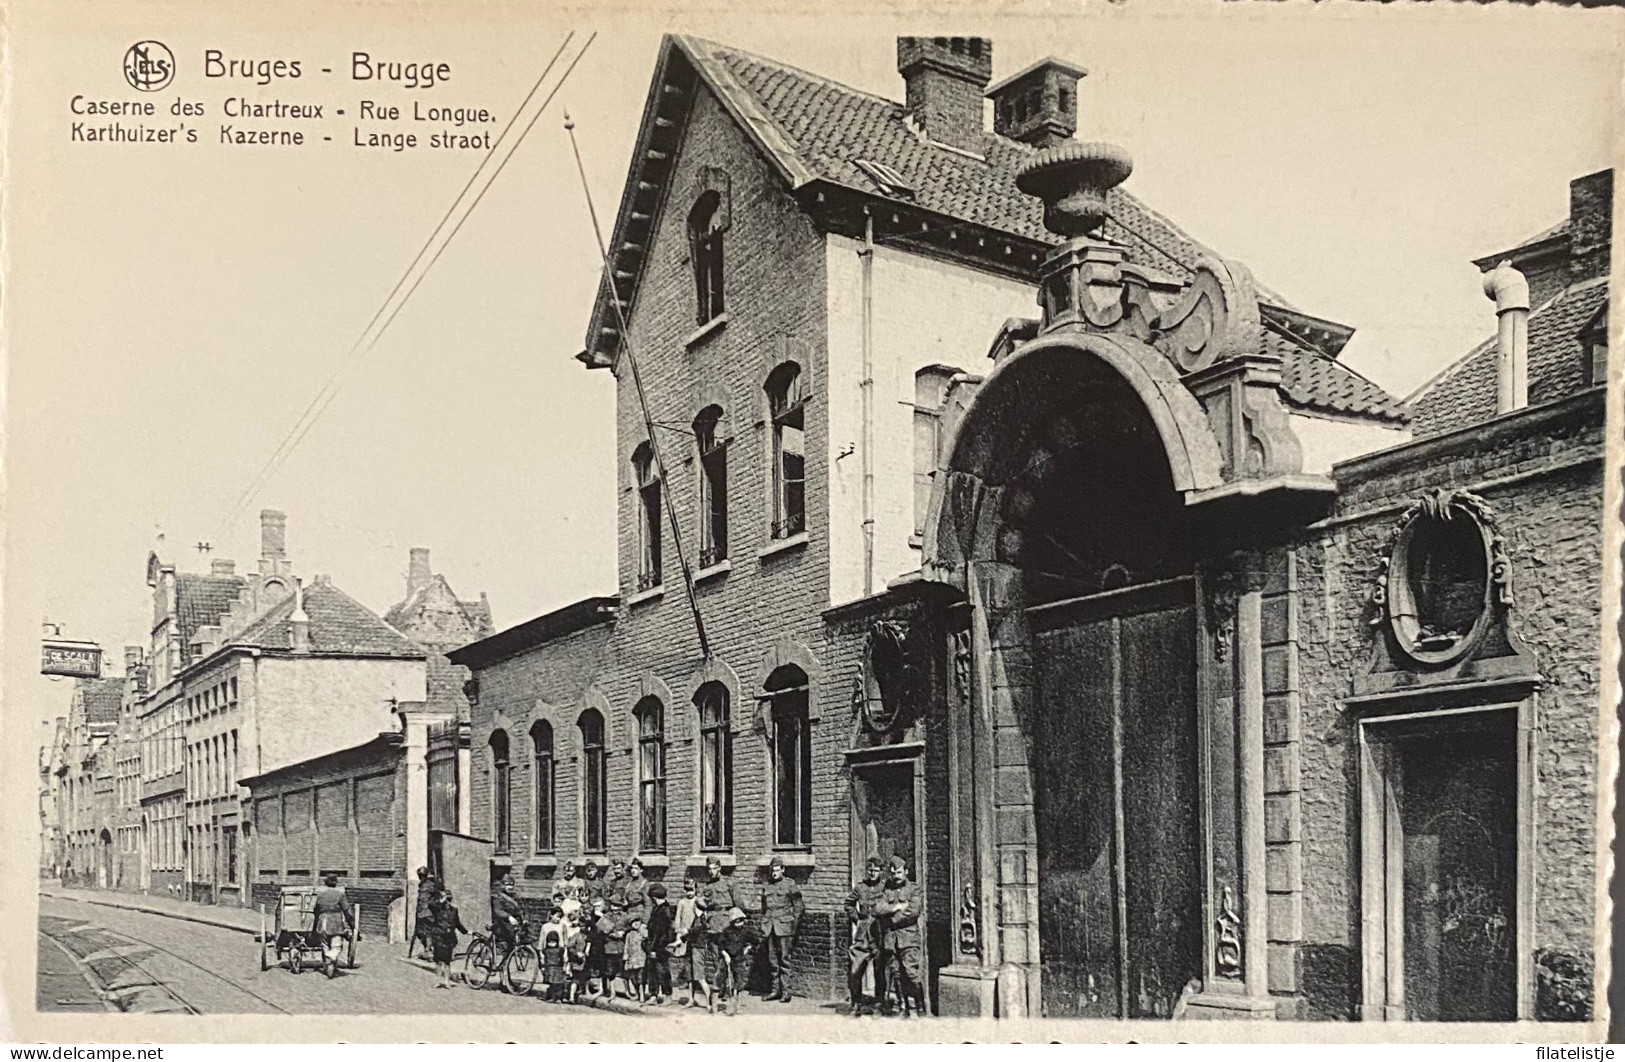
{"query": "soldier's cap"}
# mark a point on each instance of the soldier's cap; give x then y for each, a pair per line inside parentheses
(735, 915)
(590, 865)
(423, 872)
(776, 861)
(636, 862)
(713, 861)
(874, 861)
(617, 862)
(616, 905)
(898, 863)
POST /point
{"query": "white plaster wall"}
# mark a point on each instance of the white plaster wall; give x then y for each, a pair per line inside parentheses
(1326, 442)
(926, 312)
(311, 706)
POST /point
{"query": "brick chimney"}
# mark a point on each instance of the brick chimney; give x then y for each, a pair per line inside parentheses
(1591, 209)
(417, 570)
(944, 78)
(223, 567)
(1038, 105)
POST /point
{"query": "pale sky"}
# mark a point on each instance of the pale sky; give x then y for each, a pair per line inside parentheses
(171, 310)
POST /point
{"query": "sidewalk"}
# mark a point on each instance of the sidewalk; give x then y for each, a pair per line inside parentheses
(240, 919)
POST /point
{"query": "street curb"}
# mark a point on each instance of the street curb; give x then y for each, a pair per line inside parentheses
(251, 931)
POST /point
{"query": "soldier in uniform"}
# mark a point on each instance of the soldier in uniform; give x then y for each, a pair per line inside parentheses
(616, 883)
(898, 912)
(635, 890)
(593, 887)
(717, 896)
(333, 916)
(781, 910)
(860, 911)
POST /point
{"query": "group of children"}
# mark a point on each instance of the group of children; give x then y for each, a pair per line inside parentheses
(636, 944)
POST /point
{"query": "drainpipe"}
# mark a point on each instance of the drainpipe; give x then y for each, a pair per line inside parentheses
(866, 256)
(1510, 291)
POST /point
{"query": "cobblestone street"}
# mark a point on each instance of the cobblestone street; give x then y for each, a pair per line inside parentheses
(95, 956)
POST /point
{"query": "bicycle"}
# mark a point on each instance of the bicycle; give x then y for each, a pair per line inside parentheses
(516, 967)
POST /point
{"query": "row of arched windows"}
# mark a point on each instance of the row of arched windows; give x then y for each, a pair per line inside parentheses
(790, 762)
(786, 400)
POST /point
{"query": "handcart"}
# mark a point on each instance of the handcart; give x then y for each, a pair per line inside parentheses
(295, 941)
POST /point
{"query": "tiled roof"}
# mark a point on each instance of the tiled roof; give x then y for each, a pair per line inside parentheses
(1466, 391)
(1489, 261)
(339, 624)
(200, 601)
(1314, 381)
(102, 698)
(830, 126)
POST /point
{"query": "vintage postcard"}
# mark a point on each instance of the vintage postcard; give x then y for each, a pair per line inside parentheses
(863, 523)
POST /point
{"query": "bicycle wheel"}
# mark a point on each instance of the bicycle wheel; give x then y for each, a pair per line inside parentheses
(519, 973)
(477, 964)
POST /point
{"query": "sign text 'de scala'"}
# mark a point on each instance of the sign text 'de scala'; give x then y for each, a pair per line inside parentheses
(77, 660)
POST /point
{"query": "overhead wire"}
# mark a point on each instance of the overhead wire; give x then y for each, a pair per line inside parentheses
(643, 398)
(363, 345)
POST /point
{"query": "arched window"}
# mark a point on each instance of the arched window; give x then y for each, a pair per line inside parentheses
(716, 767)
(713, 485)
(786, 401)
(648, 482)
(651, 716)
(594, 782)
(501, 819)
(930, 395)
(705, 250)
(541, 740)
(791, 739)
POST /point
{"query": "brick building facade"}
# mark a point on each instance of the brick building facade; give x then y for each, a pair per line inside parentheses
(1196, 675)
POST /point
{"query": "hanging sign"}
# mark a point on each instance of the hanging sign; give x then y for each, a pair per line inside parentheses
(73, 659)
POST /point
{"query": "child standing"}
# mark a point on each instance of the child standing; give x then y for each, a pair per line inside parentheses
(633, 957)
(578, 948)
(688, 949)
(733, 960)
(555, 966)
(662, 937)
(445, 924)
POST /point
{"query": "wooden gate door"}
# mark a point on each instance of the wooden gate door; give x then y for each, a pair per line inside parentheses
(1115, 765)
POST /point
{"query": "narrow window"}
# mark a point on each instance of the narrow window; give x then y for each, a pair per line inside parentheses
(792, 758)
(787, 403)
(541, 739)
(930, 393)
(651, 716)
(499, 790)
(594, 782)
(705, 249)
(713, 484)
(716, 767)
(648, 481)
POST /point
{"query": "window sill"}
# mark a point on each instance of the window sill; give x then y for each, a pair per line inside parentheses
(706, 331)
(654, 859)
(721, 567)
(549, 861)
(792, 858)
(642, 597)
(782, 545)
(699, 859)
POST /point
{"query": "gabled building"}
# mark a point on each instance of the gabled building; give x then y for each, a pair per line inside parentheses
(1187, 681)
(433, 617)
(810, 280)
(86, 787)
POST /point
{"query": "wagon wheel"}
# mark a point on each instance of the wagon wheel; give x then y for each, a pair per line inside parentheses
(520, 971)
(477, 963)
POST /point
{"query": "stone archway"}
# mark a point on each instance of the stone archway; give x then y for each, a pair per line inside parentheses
(1062, 515)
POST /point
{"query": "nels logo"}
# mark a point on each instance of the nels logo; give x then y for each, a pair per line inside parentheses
(149, 66)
